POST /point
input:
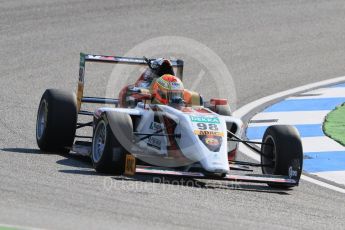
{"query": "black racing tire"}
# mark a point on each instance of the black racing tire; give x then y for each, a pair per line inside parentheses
(282, 149)
(56, 121)
(223, 110)
(109, 159)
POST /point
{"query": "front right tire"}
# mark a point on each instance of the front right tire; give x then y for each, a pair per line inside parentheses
(282, 153)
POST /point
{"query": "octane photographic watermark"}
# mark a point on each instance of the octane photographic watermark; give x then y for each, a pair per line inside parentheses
(167, 184)
(203, 72)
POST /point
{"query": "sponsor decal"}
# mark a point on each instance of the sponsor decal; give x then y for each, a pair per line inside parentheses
(292, 173)
(154, 143)
(94, 56)
(99, 57)
(175, 85)
(205, 119)
(132, 60)
(206, 132)
(211, 141)
(155, 126)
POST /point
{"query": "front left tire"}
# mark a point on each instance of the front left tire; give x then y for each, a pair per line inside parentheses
(56, 121)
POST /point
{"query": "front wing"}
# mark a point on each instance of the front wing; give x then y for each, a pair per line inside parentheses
(255, 178)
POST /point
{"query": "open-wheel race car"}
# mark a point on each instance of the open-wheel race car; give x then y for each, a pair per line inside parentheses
(158, 127)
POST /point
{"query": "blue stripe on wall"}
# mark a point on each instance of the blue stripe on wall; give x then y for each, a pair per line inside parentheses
(306, 104)
(313, 130)
(324, 161)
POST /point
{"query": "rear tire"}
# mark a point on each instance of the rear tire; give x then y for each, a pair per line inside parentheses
(283, 151)
(108, 155)
(56, 121)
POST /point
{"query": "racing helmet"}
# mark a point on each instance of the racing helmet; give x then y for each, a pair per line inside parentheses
(168, 90)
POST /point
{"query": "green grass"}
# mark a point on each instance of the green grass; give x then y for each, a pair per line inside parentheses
(7, 228)
(334, 125)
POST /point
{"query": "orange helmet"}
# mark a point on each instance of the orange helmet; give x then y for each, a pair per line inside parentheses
(168, 89)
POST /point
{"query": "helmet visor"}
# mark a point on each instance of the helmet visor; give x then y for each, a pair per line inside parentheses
(175, 97)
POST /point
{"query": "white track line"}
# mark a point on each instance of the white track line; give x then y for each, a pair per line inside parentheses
(335, 176)
(320, 144)
(299, 118)
(323, 93)
(244, 110)
(323, 184)
(317, 144)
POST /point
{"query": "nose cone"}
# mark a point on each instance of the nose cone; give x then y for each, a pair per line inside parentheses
(216, 162)
(217, 167)
(215, 152)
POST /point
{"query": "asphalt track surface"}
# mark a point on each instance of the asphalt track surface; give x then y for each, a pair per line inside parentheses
(268, 46)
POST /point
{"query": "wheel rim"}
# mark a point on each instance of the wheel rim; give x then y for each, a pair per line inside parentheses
(41, 119)
(269, 149)
(99, 141)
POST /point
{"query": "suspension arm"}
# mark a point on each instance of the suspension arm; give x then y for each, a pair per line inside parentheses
(252, 147)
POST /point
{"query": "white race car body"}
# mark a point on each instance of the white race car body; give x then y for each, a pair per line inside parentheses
(188, 136)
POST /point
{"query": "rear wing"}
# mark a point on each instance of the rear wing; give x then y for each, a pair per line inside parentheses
(177, 63)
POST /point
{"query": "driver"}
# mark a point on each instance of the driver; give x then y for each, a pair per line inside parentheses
(158, 80)
(156, 68)
(167, 90)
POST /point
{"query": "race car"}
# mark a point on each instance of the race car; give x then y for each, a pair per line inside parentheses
(158, 127)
